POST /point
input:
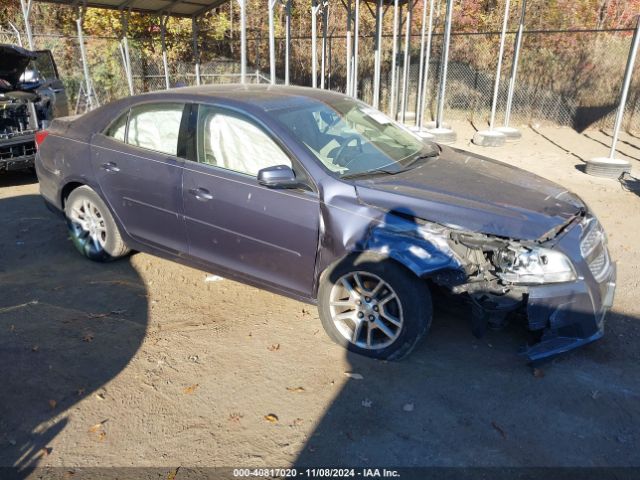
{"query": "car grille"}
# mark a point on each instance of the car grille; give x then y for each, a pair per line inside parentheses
(593, 247)
(11, 152)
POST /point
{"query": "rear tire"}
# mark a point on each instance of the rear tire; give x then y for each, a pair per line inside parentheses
(374, 306)
(92, 228)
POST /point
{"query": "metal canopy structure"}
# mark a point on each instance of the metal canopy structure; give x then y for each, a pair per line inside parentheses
(161, 8)
(175, 8)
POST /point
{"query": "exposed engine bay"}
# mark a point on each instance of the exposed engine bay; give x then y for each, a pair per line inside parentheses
(18, 114)
(30, 94)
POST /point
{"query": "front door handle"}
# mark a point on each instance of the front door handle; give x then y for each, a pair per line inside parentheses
(201, 194)
(110, 167)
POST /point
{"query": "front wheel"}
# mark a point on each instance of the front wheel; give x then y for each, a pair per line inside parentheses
(374, 307)
(92, 228)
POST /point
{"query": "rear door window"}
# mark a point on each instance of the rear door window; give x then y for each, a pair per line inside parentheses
(156, 127)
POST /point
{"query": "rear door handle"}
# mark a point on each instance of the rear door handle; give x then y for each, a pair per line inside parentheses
(201, 194)
(110, 167)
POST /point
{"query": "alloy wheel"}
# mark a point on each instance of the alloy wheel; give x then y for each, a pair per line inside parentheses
(366, 310)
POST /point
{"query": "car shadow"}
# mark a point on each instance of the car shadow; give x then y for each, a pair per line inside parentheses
(17, 178)
(68, 327)
(462, 401)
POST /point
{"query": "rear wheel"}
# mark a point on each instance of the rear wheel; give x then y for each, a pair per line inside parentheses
(92, 228)
(374, 307)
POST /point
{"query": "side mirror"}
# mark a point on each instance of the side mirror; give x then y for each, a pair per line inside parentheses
(279, 176)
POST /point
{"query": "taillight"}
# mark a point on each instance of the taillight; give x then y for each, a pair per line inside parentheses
(40, 136)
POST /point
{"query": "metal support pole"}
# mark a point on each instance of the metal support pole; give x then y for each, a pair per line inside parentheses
(445, 60)
(243, 40)
(377, 55)
(165, 63)
(421, 63)
(394, 54)
(26, 13)
(356, 43)
(325, 26)
(272, 44)
(287, 40)
(633, 51)
(92, 101)
(496, 87)
(406, 62)
(124, 43)
(441, 133)
(196, 51)
(314, 43)
(611, 167)
(17, 32)
(348, 47)
(514, 65)
(427, 62)
(491, 137)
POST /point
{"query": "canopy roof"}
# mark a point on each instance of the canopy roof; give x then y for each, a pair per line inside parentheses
(176, 8)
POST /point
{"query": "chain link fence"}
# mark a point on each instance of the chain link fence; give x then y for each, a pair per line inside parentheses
(566, 78)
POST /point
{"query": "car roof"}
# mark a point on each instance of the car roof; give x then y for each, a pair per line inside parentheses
(265, 97)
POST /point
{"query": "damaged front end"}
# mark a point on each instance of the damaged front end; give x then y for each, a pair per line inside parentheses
(23, 108)
(562, 283)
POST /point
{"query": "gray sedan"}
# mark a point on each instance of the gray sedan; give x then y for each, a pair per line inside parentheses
(317, 196)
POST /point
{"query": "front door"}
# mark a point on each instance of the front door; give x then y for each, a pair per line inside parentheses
(234, 222)
(138, 166)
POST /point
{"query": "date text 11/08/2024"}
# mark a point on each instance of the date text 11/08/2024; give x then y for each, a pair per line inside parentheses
(316, 473)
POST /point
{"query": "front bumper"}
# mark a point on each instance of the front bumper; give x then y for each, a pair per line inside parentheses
(569, 315)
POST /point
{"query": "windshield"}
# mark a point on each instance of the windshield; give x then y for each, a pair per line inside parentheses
(351, 139)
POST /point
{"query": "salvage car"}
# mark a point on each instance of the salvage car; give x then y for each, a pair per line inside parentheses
(31, 95)
(317, 196)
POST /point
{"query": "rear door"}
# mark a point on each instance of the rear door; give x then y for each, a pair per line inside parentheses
(138, 163)
(234, 222)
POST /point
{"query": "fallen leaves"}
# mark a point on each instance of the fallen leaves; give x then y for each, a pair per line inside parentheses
(88, 337)
(274, 348)
(190, 389)
(46, 451)
(97, 426)
(295, 389)
(538, 373)
(235, 417)
(499, 429)
(271, 418)
(53, 404)
(354, 376)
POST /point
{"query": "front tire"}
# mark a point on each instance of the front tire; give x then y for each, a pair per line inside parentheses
(92, 228)
(374, 306)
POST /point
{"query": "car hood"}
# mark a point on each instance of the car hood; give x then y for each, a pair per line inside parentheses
(471, 192)
(13, 62)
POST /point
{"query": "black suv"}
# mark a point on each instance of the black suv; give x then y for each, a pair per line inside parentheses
(31, 95)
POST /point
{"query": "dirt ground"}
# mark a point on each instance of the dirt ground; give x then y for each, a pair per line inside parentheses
(143, 362)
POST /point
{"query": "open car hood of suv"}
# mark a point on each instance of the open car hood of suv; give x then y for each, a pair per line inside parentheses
(471, 192)
(13, 62)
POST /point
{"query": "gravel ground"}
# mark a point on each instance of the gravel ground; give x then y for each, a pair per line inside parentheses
(143, 362)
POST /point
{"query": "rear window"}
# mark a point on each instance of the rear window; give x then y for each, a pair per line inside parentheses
(118, 129)
(156, 127)
(45, 66)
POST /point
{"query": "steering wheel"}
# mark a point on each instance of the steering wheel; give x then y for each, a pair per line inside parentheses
(343, 148)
